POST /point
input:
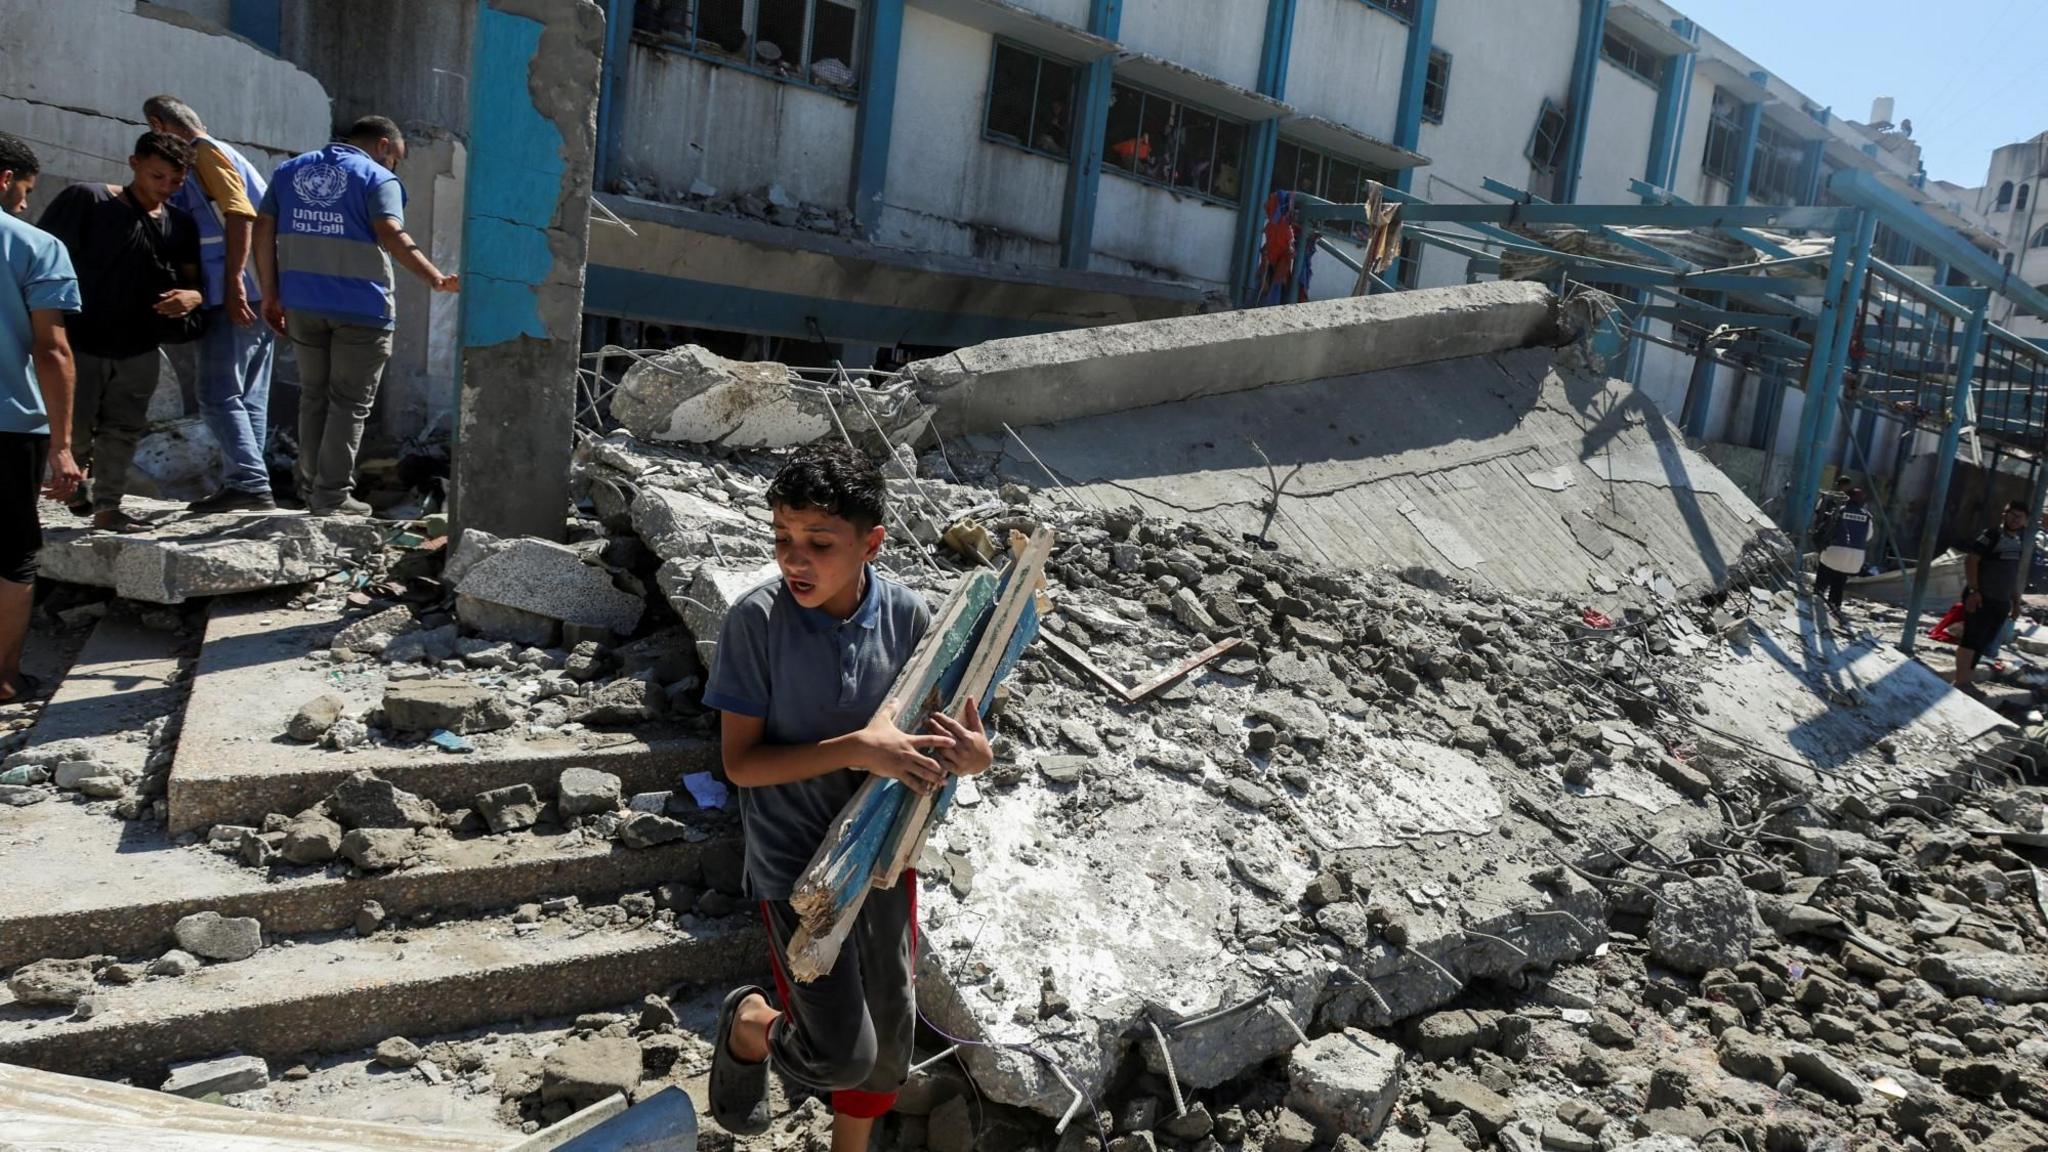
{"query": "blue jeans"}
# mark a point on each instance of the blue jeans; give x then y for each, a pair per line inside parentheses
(234, 396)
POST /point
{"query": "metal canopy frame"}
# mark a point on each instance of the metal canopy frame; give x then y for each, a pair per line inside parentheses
(1921, 354)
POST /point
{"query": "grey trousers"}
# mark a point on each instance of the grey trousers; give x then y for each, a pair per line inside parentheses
(340, 366)
(850, 1031)
(109, 413)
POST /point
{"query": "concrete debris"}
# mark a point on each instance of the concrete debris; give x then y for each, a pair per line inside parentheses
(586, 792)
(423, 706)
(509, 809)
(212, 936)
(315, 717)
(1345, 1082)
(1702, 924)
(205, 556)
(506, 595)
(690, 395)
(51, 983)
(365, 801)
(223, 1077)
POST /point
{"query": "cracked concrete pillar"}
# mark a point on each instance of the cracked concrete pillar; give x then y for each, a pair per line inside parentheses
(526, 221)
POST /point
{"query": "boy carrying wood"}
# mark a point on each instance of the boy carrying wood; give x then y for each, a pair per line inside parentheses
(803, 665)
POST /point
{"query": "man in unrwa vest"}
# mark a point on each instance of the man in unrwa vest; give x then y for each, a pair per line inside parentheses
(236, 352)
(1991, 564)
(1842, 551)
(326, 234)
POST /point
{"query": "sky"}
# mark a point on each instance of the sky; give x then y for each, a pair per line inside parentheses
(1969, 74)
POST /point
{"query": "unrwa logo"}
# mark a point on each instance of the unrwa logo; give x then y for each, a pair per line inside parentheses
(320, 184)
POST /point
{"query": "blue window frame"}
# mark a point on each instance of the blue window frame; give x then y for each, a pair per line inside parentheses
(1436, 86)
(1030, 101)
(1403, 10)
(1630, 55)
(814, 43)
(1546, 140)
(1724, 138)
(1163, 141)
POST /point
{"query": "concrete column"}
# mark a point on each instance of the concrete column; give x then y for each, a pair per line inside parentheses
(618, 56)
(1752, 124)
(1414, 73)
(1579, 107)
(533, 87)
(1260, 143)
(1944, 469)
(1091, 121)
(1820, 354)
(1674, 90)
(1809, 172)
(874, 121)
(1699, 393)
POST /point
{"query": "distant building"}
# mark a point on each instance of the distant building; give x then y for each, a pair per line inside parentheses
(2010, 202)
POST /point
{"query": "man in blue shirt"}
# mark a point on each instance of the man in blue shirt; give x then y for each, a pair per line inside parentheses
(328, 228)
(36, 380)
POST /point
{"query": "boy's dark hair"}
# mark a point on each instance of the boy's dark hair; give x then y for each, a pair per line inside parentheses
(375, 128)
(165, 147)
(835, 479)
(17, 157)
(2016, 506)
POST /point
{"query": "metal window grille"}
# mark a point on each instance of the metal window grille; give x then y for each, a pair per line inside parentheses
(1030, 101)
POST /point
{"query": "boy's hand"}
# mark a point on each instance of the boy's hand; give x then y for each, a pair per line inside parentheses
(970, 754)
(890, 752)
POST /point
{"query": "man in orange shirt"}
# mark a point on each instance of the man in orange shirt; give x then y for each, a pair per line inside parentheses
(235, 354)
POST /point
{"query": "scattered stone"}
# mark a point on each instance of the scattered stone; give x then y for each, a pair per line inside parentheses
(377, 849)
(51, 983)
(1994, 975)
(225, 1076)
(585, 1071)
(536, 579)
(315, 717)
(369, 918)
(1744, 1053)
(629, 700)
(311, 839)
(458, 706)
(213, 936)
(647, 829)
(1449, 1095)
(1345, 1082)
(585, 792)
(398, 1052)
(176, 962)
(1702, 924)
(364, 801)
(509, 809)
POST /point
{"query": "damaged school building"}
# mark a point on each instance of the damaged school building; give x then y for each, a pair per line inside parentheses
(1427, 742)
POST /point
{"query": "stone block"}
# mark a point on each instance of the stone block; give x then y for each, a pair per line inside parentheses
(589, 1070)
(1999, 976)
(227, 1076)
(1702, 924)
(365, 801)
(543, 579)
(675, 524)
(509, 809)
(586, 791)
(425, 705)
(1345, 1082)
(711, 593)
(216, 937)
(377, 849)
(51, 983)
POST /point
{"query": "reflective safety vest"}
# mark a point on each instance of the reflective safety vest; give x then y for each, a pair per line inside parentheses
(1852, 529)
(213, 236)
(328, 258)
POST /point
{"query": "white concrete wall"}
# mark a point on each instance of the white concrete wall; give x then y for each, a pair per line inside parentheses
(1150, 227)
(1344, 64)
(73, 79)
(1689, 180)
(948, 187)
(1223, 38)
(1617, 137)
(686, 119)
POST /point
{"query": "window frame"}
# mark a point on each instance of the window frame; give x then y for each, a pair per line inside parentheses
(2003, 201)
(1548, 109)
(750, 24)
(1443, 100)
(2020, 196)
(1782, 154)
(1037, 80)
(1215, 143)
(1644, 62)
(1402, 10)
(1730, 128)
(1324, 162)
(2040, 239)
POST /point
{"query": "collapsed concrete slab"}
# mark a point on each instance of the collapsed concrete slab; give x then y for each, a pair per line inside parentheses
(1029, 380)
(691, 395)
(526, 587)
(182, 559)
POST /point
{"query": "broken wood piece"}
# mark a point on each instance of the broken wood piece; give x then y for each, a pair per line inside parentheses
(1128, 695)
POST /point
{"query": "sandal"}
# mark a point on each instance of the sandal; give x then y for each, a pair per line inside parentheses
(738, 1090)
(31, 688)
(120, 523)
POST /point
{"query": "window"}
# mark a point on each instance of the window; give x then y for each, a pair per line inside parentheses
(1299, 169)
(1630, 55)
(2004, 197)
(1436, 86)
(2040, 239)
(1780, 157)
(2019, 199)
(1547, 140)
(1398, 9)
(1166, 142)
(1724, 138)
(1030, 101)
(804, 41)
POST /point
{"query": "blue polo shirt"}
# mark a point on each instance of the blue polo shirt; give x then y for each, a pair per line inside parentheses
(810, 676)
(43, 281)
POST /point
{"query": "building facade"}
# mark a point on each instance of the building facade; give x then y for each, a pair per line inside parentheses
(2010, 204)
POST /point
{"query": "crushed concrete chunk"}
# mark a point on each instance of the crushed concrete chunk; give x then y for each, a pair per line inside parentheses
(691, 395)
(1702, 924)
(423, 706)
(226, 1076)
(315, 717)
(1997, 975)
(371, 634)
(51, 983)
(1345, 1082)
(365, 801)
(586, 791)
(377, 849)
(587, 1071)
(509, 809)
(547, 580)
(217, 937)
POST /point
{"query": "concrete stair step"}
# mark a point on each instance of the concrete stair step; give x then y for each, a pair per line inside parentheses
(340, 992)
(234, 766)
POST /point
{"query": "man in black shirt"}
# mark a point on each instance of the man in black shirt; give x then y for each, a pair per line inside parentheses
(1991, 563)
(137, 259)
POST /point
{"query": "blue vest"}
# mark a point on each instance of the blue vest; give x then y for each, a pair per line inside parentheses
(1852, 528)
(328, 258)
(213, 236)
